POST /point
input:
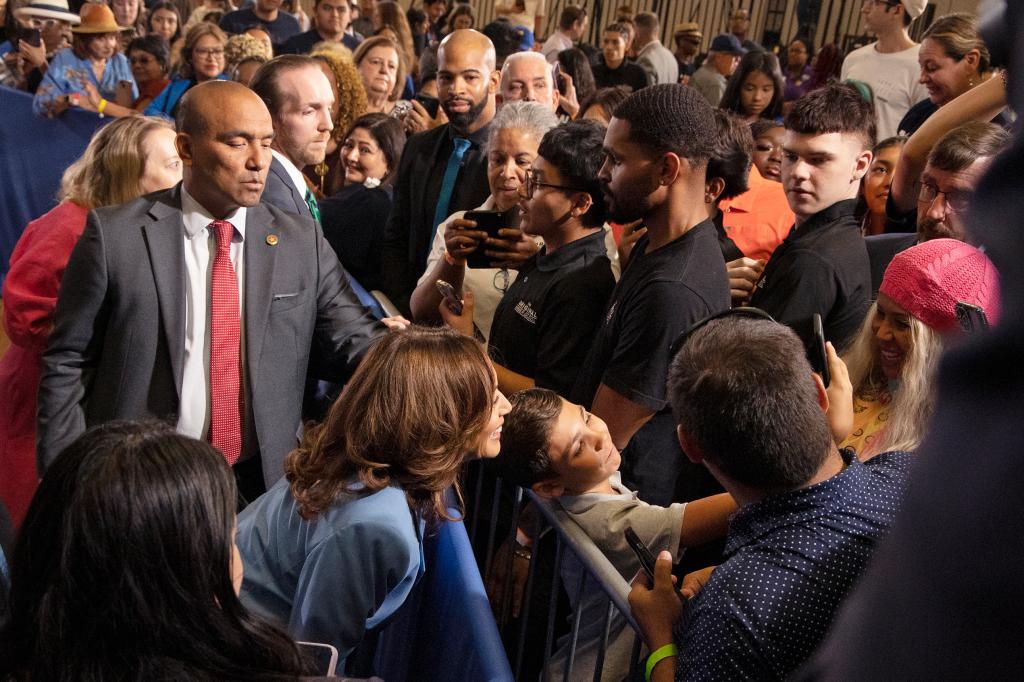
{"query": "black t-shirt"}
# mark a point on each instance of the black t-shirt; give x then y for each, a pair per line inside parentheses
(821, 267)
(545, 322)
(281, 29)
(660, 295)
(627, 73)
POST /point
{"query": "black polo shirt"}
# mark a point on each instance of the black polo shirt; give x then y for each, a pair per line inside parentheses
(660, 294)
(545, 322)
(821, 267)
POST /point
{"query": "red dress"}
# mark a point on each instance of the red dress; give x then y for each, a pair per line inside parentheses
(30, 295)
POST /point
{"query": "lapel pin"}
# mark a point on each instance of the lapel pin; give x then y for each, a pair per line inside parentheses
(272, 239)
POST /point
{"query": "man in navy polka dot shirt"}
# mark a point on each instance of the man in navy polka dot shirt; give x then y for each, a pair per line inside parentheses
(752, 411)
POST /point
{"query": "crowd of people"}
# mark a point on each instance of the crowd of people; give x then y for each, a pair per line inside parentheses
(714, 287)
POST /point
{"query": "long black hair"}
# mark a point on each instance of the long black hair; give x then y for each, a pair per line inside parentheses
(755, 60)
(122, 569)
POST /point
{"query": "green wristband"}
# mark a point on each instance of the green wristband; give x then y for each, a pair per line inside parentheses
(656, 657)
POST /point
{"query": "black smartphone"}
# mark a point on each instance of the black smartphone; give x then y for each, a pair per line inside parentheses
(642, 553)
(646, 558)
(971, 317)
(556, 77)
(431, 104)
(451, 299)
(489, 222)
(32, 36)
(819, 356)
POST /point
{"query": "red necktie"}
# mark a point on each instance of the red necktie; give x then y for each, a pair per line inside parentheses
(226, 400)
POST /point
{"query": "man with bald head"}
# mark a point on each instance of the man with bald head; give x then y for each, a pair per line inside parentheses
(200, 305)
(442, 170)
(527, 77)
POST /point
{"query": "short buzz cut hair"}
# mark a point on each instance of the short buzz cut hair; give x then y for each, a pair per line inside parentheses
(835, 108)
(265, 81)
(524, 458)
(670, 117)
(647, 20)
(570, 15)
(742, 392)
(958, 149)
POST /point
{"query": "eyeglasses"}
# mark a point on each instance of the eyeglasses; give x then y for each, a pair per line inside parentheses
(532, 183)
(957, 200)
(754, 313)
(208, 51)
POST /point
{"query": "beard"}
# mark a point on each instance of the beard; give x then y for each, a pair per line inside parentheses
(461, 120)
(929, 228)
(632, 202)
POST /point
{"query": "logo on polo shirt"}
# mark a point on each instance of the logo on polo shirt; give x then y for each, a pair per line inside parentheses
(527, 312)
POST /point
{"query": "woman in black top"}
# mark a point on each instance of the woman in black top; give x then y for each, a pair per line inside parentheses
(353, 219)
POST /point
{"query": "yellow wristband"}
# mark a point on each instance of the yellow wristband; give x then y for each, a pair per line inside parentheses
(657, 656)
(100, 107)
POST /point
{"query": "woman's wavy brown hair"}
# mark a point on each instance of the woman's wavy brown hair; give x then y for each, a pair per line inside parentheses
(413, 410)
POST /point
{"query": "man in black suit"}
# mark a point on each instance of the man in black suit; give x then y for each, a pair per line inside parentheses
(299, 98)
(442, 170)
(201, 305)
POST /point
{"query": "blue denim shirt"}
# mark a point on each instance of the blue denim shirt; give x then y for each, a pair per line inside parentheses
(792, 558)
(68, 74)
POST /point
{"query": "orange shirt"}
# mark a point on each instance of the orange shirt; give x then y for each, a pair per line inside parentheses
(759, 219)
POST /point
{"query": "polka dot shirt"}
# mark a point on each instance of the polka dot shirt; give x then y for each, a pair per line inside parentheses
(792, 559)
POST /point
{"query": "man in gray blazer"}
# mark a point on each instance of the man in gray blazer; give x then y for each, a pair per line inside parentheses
(200, 305)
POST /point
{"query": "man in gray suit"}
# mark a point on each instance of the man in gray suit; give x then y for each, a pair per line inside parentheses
(299, 98)
(201, 305)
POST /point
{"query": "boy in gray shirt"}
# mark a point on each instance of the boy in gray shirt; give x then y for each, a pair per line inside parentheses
(562, 452)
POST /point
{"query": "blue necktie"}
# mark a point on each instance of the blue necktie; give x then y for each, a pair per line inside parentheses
(451, 173)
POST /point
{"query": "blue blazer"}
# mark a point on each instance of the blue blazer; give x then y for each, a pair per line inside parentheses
(335, 577)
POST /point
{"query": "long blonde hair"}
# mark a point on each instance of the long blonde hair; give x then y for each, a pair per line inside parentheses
(914, 400)
(110, 169)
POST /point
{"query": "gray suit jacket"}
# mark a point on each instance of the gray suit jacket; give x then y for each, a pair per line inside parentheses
(281, 192)
(117, 346)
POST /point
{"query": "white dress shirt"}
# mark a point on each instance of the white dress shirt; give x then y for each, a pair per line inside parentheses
(200, 249)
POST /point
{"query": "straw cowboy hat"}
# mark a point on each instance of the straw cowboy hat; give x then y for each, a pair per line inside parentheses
(97, 19)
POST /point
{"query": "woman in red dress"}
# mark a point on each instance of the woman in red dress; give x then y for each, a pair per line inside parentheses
(126, 159)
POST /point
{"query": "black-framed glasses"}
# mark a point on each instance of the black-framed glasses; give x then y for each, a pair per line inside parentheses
(742, 311)
(956, 199)
(532, 183)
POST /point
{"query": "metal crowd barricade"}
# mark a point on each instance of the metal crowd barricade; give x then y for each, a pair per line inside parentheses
(569, 537)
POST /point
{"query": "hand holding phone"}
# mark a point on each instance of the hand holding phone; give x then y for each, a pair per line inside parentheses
(819, 356)
(451, 299)
(647, 559)
(488, 222)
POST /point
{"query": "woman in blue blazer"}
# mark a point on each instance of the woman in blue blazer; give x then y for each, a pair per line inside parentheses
(334, 548)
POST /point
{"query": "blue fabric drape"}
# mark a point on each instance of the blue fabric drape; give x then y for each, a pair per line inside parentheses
(34, 152)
